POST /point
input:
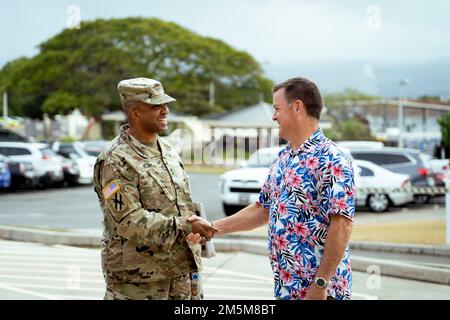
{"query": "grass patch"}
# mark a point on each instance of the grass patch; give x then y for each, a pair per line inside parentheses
(206, 169)
(414, 231)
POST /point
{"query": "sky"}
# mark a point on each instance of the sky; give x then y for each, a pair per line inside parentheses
(280, 34)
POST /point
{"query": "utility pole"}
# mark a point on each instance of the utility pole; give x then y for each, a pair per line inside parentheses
(212, 93)
(5, 109)
(403, 83)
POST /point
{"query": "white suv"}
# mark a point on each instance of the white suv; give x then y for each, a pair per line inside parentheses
(46, 163)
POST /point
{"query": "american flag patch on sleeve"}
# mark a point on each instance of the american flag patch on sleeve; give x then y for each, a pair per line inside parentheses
(110, 189)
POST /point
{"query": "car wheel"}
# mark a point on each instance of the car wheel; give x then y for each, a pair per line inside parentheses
(378, 202)
(421, 198)
(230, 209)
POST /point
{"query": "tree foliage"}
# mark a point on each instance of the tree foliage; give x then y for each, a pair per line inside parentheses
(81, 68)
(349, 123)
(444, 123)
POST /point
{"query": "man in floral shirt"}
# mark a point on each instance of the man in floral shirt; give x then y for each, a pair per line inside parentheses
(308, 200)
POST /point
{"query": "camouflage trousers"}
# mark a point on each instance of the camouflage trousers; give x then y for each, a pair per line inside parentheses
(179, 288)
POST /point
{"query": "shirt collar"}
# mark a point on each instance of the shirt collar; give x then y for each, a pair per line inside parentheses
(138, 147)
(310, 144)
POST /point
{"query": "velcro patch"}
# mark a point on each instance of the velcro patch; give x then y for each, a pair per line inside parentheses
(118, 203)
(110, 189)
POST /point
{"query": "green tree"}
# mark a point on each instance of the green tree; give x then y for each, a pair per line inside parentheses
(355, 129)
(81, 68)
(444, 123)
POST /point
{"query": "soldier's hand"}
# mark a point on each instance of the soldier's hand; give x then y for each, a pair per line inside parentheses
(195, 238)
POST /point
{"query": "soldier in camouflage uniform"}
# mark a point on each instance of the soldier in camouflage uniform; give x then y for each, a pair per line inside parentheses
(150, 250)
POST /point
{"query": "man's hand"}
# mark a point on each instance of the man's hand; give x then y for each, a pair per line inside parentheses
(202, 227)
(194, 238)
(315, 293)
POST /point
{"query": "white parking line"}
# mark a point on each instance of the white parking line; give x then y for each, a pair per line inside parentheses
(41, 253)
(34, 271)
(40, 286)
(75, 297)
(32, 293)
(47, 259)
(365, 296)
(35, 265)
(50, 278)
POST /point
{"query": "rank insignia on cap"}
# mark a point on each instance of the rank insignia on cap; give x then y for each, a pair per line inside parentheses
(110, 189)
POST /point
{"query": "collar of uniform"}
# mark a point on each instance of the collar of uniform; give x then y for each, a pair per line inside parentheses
(310, 145)
(138, 147)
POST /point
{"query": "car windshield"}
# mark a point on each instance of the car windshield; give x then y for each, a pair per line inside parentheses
(262, 158)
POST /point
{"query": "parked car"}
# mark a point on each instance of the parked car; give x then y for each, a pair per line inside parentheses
(5, 173)
(400, 160)
(23, 175)
(372, 176)
(240, 187)
(440, 169)
(93, 147)
(71, 171)
(12, 136)
(47, 165)
(84, 161)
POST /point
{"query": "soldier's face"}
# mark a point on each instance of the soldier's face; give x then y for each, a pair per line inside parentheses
(153, 118)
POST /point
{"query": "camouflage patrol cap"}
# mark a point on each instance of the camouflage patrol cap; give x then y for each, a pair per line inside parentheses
(143, 89)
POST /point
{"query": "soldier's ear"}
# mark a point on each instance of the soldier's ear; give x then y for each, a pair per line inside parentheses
(134, 112)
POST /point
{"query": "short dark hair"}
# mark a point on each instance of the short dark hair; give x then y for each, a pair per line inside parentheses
(304, 90)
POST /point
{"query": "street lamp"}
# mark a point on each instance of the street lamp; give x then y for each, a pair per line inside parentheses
(403, 83)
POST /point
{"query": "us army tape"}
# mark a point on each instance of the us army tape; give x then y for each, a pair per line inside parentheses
(415, 190)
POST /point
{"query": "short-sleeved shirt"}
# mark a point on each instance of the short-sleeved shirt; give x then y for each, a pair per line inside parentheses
(304, 188)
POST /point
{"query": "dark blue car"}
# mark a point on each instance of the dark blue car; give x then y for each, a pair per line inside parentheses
(5, 173)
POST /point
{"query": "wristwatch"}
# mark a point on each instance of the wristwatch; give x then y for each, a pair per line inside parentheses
(320, 282)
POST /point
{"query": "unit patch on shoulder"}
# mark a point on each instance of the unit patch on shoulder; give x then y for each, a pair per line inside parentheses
(117, 203)
(110, 189)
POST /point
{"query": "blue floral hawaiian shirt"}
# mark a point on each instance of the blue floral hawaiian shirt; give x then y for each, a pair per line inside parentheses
(303, 189)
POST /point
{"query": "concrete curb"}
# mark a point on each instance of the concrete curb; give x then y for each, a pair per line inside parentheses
(49, 237)
(256, 245)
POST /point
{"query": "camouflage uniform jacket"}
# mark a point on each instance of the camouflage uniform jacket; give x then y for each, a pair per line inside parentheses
(142, 194)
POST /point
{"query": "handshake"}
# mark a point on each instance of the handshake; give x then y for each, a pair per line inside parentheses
(202, 230)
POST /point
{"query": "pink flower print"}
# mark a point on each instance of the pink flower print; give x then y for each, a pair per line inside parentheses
(282, 243)
(286, 277)
(298, 257)
(341, 204)
(290, 228)
(303, 293)
(312, 163)
(282, 208)
(301, 229)
(338, 172)
(350, 191)
(296, 180)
